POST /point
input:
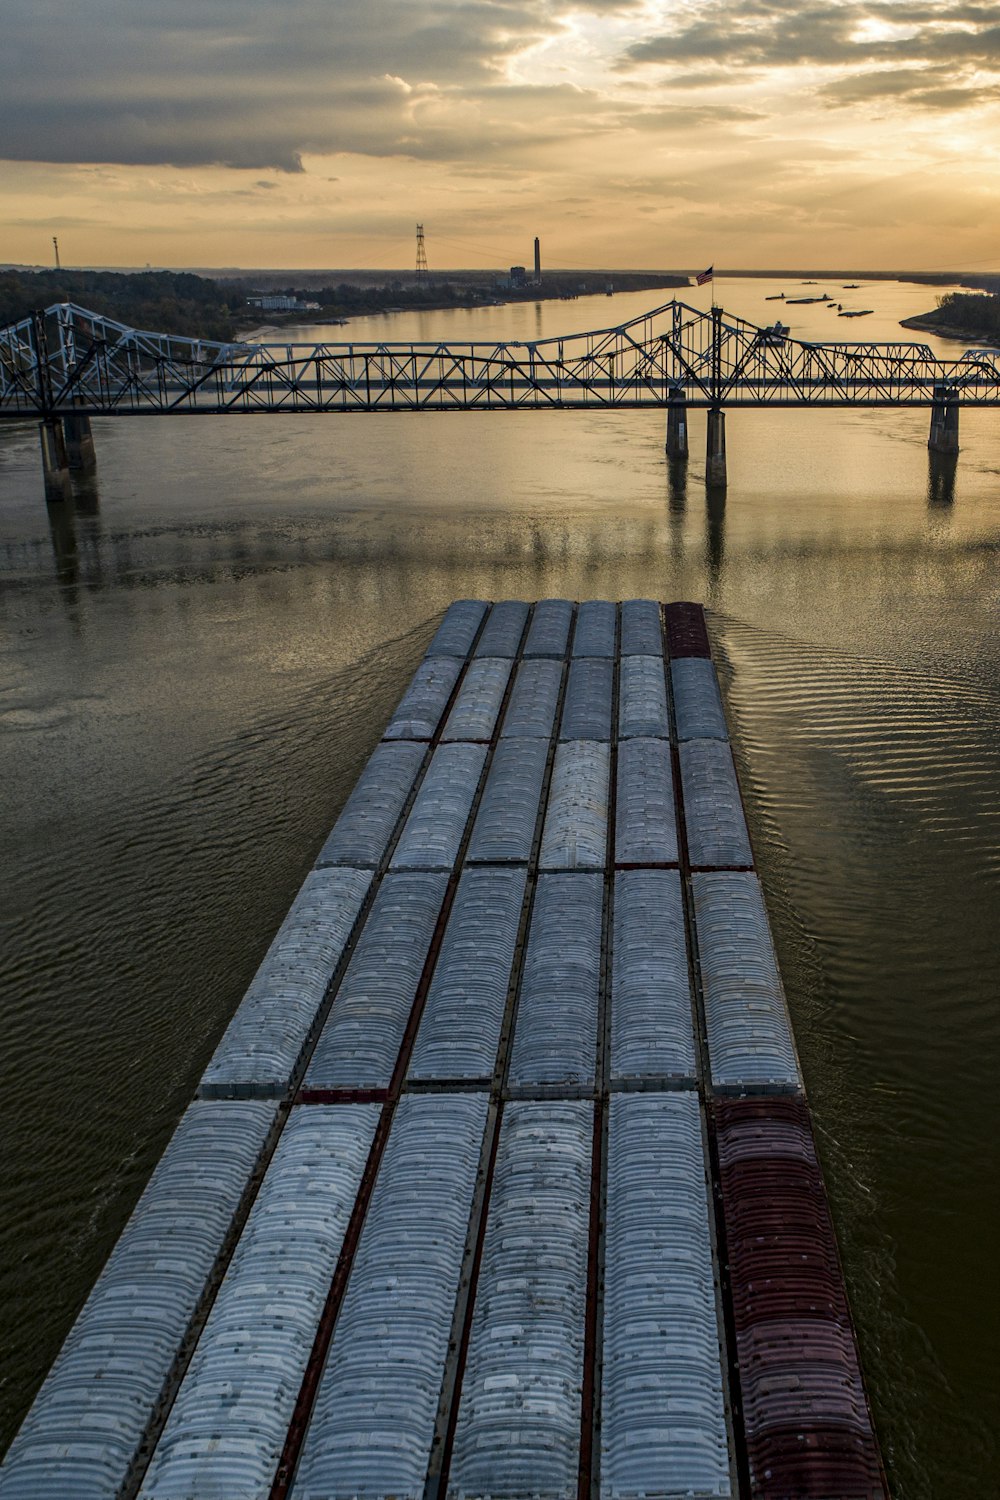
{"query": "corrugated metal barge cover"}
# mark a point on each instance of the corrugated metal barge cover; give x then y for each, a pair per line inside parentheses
(360, 1042)
(227, 1427)
(457, 631)
(783, 1250)
(81, 1435)
(595, 628)
(642, 698)
(645, 815)
(503, 630)
(361, 834)
(663, 1425)
(749, 1032)
(475, 711)
(697, 701)
(548, 632)
(687, 634)
(652, 1025)
(816, 1463)
(425, 700)
(373, 1420)
(264, 1041)
(555, 1036)
(508, 811)
(799, 1372)
(432, 834)
(587, 706)
(576, 821)
(716, 827)
(518, 1430)
(808, 1428)
(641, 631)
(460, 1029)
(534, 699)
(607, 1257)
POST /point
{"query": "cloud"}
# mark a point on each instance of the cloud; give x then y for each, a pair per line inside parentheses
(61, 223)
(717, 78)
(768, 34)
(218, 82)
(232, 82)
(690, 117)
(929, 89)
(244, 83)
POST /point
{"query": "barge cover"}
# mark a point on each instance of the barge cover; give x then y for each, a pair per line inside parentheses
(501, 1184)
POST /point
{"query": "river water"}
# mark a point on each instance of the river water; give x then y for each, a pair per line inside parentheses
(198, 655)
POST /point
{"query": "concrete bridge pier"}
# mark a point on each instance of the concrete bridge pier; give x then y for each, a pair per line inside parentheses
(80, 451)
(677, 425)
(944, 420)
(55, 463)
(715, 452)
(941, 472)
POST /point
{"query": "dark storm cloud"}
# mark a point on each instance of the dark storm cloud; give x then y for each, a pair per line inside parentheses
(252, 84)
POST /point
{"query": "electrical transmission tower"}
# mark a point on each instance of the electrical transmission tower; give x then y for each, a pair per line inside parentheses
(421, 255)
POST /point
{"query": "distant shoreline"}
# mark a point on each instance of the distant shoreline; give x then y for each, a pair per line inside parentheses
(379, 301)
(237, 273)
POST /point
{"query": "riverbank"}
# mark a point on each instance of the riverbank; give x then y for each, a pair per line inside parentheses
(926, 324)
(972, 317)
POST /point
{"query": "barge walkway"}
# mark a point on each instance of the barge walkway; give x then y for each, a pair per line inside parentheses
(501, 1182)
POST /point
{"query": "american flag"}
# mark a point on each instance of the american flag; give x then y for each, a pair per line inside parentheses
(704, 276)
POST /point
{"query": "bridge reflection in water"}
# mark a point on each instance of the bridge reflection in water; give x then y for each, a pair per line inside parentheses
(66, 365)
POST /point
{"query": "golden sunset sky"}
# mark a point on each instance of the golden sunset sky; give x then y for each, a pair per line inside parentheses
(639, 134)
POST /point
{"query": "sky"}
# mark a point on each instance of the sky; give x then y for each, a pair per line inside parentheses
(626, 133)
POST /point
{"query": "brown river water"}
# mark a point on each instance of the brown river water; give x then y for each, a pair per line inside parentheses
(198, 655)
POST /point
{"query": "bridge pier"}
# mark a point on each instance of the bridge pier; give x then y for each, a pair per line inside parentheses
(80, 451)
(677, 424)
(941, 471)
(715, 452)
(944, 420)
(55, 464)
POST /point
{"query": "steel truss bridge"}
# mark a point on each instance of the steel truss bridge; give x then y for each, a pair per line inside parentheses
(67, 362)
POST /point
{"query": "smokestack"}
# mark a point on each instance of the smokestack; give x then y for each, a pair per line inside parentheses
(538, 261)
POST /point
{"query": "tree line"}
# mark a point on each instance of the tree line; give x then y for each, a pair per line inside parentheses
(975, 313)
(162, 301)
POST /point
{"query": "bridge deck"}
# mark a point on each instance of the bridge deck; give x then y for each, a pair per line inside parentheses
(501, 1180)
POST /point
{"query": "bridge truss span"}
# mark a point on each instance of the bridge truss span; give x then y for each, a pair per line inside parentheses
(68, 362)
